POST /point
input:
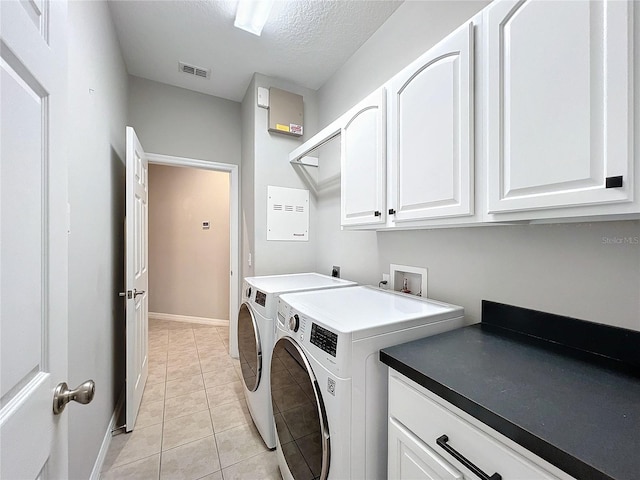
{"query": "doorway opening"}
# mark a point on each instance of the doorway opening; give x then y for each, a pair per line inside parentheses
(182, 282)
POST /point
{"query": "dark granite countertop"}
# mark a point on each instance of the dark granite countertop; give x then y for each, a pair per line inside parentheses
(579, 411)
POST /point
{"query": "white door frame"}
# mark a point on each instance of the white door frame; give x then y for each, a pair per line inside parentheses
(234, 228)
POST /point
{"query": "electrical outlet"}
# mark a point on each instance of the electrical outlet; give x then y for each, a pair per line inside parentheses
(335, 272)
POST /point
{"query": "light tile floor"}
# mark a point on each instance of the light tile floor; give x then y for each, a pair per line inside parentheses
(193, 421)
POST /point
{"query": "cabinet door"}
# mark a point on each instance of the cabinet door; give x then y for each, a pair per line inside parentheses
(559, 105)
(409, 406)
(431, 109)
(411, 459)
(363, 163)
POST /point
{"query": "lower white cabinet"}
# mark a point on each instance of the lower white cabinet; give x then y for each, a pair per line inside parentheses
(411, 458)
(431, 439)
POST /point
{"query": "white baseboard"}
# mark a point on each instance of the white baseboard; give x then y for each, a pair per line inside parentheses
(214, 322)
(106, 441)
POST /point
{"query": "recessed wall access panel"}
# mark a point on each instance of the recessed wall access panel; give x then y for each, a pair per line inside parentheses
(406, 279)
(285, 112)
(287, 214)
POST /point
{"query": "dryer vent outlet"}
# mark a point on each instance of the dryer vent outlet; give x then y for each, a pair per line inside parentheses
(335, 272)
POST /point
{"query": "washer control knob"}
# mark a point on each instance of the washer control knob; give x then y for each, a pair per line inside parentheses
(248, 292)
(294, 322)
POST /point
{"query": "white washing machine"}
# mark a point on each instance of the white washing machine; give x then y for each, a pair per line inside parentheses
(256, 328)
(331, 407)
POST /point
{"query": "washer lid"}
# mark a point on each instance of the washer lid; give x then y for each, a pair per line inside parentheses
(296, 282)
(366, 310)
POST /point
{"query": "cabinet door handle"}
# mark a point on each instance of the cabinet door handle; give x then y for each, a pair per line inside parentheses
(442, 442)
(613, 182)
(377, 213)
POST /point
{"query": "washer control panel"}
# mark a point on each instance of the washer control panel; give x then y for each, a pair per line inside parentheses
(324, 339)
(294, 322)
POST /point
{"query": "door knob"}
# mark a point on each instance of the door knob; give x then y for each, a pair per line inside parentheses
(62, 395)
(137, 292)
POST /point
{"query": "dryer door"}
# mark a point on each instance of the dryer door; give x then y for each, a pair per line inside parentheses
(300, 416)
(249, 348)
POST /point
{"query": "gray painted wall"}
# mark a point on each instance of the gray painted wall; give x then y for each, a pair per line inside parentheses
(265, 162)
(569, 269)
(97, 119)
(173, 121)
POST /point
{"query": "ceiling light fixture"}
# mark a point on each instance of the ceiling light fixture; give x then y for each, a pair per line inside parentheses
(252, 15)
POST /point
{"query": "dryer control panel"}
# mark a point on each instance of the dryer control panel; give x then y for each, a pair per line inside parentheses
(328, 346)
(261, 298)
(283, 313)
(246, 291)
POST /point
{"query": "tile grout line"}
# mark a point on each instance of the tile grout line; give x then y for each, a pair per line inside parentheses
(208, 409)
(213, 433)
(215, 438)
(164, 406)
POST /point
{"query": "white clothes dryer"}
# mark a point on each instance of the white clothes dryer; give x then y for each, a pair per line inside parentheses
(256, 328)
(331, 408)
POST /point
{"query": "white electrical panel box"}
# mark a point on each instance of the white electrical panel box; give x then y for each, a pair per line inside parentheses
(287, 214)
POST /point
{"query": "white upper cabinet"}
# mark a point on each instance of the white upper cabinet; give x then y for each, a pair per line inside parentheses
(431, 133)
(363, 166)
(558, 105)
(524, 113)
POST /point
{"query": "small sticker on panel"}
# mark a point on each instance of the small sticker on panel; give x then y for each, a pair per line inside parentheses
(331, 386)
(294, 128)
(282, 127)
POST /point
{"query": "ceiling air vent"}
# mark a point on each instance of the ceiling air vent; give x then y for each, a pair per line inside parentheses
(193, 70)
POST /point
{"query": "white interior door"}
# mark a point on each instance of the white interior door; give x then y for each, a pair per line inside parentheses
(33, 245)
(137, 273)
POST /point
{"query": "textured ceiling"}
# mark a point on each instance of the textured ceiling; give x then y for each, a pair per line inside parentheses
(304, 41)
